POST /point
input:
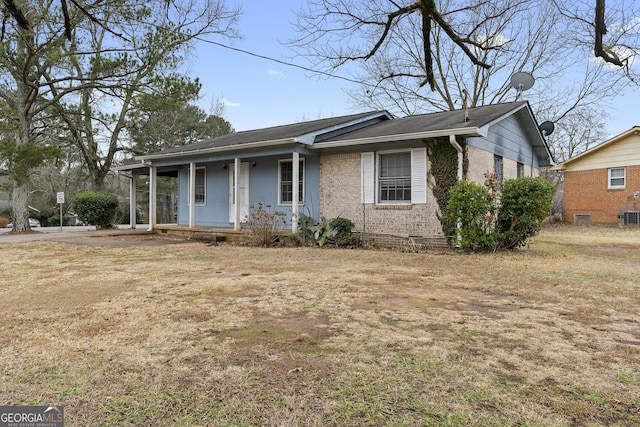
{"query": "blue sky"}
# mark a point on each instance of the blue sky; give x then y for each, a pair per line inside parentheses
(261, 93)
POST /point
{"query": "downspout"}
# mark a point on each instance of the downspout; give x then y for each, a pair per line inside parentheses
(458, 148)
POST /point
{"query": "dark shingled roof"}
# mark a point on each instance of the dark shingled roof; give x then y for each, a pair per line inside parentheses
(446, 120)
(270, 134)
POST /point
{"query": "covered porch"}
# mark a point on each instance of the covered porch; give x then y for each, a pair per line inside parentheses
(210, 185)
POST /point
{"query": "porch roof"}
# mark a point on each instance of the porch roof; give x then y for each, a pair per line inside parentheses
(304, 133)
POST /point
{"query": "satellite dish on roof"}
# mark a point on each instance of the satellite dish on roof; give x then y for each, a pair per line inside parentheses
(521, 81)
(546, 128)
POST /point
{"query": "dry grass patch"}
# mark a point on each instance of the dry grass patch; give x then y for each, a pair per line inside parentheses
(191, 334)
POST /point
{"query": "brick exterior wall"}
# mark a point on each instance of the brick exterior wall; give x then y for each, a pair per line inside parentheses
(480, 161)
(586, 193)
(340, 195)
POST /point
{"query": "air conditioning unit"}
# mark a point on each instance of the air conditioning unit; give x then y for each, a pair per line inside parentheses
(631, 217)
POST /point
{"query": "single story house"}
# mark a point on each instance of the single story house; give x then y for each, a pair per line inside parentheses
(602, 185)
(371, 168)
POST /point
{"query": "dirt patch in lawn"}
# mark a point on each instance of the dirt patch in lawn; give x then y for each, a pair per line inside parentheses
(192, 334)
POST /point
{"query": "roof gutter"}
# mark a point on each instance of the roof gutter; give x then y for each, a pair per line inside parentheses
(468, 131)
(245, 146)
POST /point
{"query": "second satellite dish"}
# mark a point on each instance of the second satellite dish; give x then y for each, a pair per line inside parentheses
(546, 128)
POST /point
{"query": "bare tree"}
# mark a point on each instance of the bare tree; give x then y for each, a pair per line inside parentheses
(342, 31)
(503, 36)
(97, 119)
(582, 128)
(45, 76)
(613, 31)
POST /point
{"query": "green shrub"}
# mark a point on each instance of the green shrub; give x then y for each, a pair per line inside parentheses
(499, 215)
(525, 204)
(338, 232)
(54, 221)
(473, 210)
(344, 232)
(304, 229)
(322, 232)
(96, 208)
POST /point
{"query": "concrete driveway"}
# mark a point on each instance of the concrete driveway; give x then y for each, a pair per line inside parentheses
(88, 235)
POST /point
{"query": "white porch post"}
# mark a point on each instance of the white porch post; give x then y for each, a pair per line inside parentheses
(192, 194)
(236, 193)
(153, 175)
(132, 201)
(295, 192)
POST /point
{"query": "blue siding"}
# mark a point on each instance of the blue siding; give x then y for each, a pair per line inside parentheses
(507, 139)
(263, 187)
(215, 213)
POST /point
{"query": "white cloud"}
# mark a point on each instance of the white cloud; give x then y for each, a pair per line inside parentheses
(494, 40)
(274, 73)
(228, 103)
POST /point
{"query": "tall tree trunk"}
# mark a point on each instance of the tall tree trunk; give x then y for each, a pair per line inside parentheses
(25, 95)
(19, 201)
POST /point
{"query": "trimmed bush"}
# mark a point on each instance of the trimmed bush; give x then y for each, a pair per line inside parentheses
(499, 216)
(473, 210)
(96, 208)
(525, 204)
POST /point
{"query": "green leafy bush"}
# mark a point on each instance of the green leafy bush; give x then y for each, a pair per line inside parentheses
(322, 232)
(499, 216)
(305, 222)
(525, 204)
(54, 221)
(338, 232)
(344, 232)
(473, 210)
(96, 207)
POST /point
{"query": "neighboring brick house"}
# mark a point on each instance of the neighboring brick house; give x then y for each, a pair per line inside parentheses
(602, 185)
(371, 168)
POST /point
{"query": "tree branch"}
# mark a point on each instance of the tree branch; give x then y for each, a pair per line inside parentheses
(387, 26)
(457, 40)
(601, 30)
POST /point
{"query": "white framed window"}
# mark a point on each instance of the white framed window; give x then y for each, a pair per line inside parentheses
(617, 177)
(201, 186)
(285, 184)
(395, 177)
(520, 170)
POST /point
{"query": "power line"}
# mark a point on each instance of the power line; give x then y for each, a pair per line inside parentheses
(289, 64)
